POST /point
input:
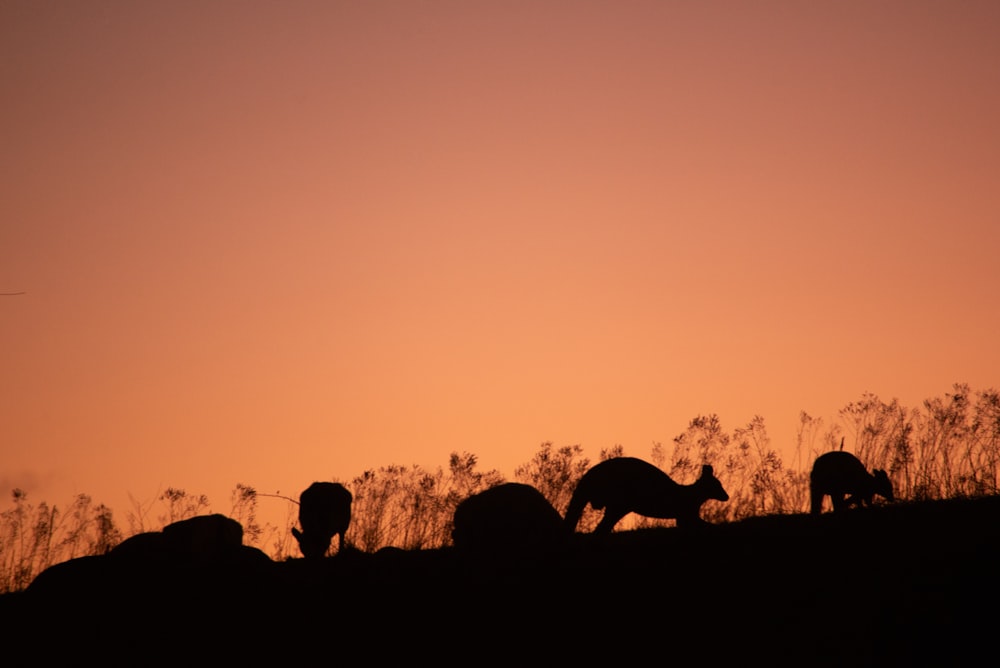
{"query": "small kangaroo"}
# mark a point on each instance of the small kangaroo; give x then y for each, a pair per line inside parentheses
(841, 476)
(623, 485)
(324, 512)
(508, 515)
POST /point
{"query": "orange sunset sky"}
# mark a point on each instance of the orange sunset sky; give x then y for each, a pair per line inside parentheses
(276, 242)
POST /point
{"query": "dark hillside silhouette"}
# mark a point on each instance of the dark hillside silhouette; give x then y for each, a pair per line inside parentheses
(903, 584)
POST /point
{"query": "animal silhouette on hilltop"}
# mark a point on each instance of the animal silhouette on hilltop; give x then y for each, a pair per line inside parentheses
(508, 515)
(324, 512)
(841, 476)
(623, 485)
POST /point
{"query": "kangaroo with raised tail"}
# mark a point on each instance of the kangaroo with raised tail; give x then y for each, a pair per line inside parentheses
(623, 485)
(324, 512)
(841, 476)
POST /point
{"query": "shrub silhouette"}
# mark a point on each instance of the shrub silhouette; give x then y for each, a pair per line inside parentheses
(623, 485)
(324, 512)
(554, 472)
(841, 476)
(412, 507)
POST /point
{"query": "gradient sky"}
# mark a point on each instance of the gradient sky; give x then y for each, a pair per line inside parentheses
(275, 242)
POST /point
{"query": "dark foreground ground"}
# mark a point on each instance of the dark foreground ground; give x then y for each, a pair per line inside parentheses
(900, 585)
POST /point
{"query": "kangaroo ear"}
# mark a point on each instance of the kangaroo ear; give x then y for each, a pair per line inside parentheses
(706, 470)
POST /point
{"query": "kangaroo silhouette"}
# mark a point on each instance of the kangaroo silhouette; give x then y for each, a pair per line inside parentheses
(623, 485)
(324, 512)
(841, 476)
(508, 515)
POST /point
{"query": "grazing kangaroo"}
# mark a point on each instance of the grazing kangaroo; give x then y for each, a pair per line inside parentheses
(624, 485)
(324, 512)
(841, 476)
(508, 515)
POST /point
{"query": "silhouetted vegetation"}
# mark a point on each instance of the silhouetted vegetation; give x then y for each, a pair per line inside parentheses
(946, 449)
(33, 538)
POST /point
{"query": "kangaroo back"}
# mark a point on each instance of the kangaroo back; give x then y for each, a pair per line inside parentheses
(608, 482)
(507, 516)
(623, 485)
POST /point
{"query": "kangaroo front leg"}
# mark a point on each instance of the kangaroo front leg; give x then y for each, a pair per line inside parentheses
(610, 519)
(840, 502)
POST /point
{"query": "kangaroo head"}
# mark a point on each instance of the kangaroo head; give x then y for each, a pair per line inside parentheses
(312, 546)
(711, 485)
(883, 486)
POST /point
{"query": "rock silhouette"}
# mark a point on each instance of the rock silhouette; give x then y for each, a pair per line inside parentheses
(324, 512)
(205, 547)
(841, 476)
(623, 485)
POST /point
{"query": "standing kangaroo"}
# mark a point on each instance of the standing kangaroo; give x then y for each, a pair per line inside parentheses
(624, 485)
(841, 476)
(324, 512)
